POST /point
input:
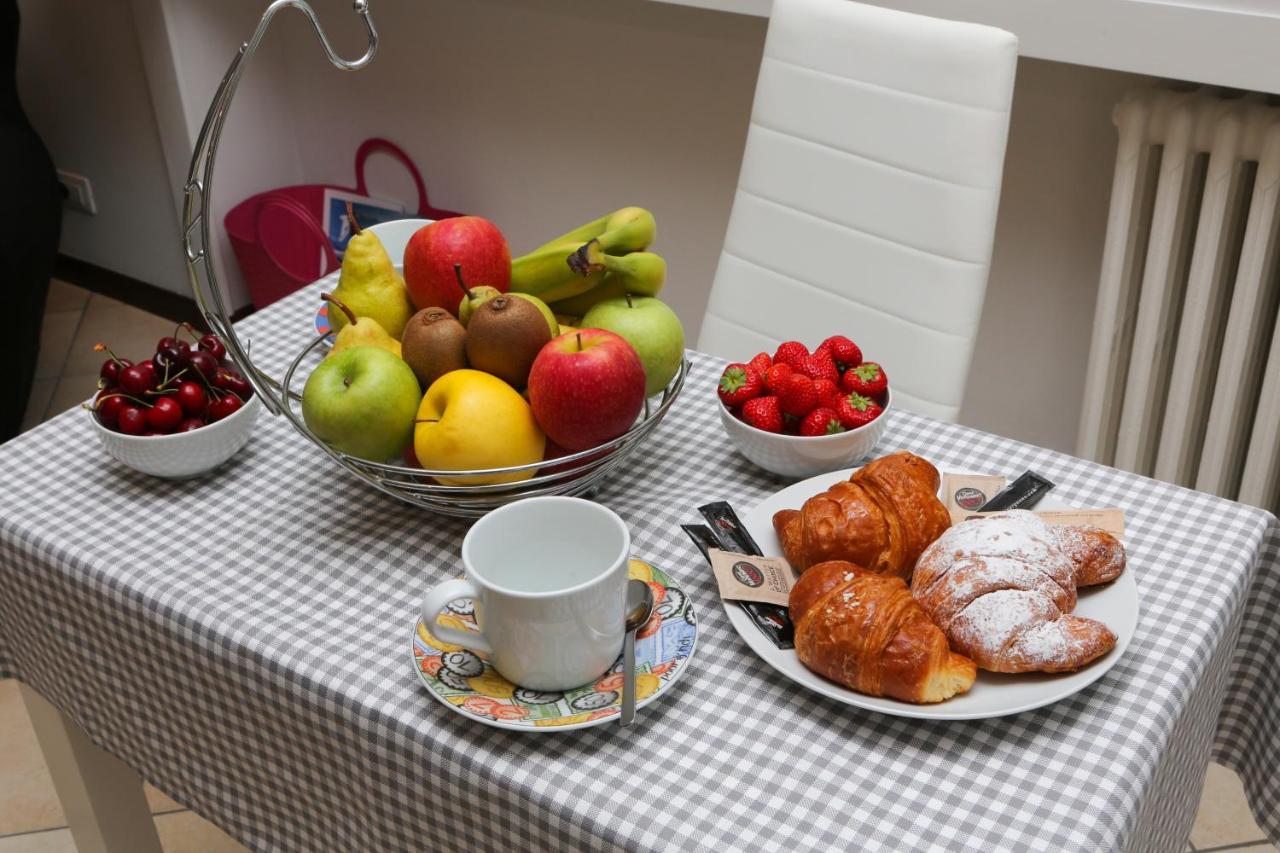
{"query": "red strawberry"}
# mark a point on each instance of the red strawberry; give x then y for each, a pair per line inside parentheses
(761, 363)
(791, 353)
(820, 365)
(828, 392)
(798, 396)
(856, 410)
(763, 413)
(777, 377)
(867, 379)
(821, 421)
(738, 384)
(844, 351)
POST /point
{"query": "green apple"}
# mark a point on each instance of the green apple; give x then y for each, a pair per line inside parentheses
(362, 401)
(652, 329)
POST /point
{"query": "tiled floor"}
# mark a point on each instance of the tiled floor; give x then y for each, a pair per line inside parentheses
(31, 819)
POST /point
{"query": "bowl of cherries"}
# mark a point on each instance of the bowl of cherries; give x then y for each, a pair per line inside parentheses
(180, 413)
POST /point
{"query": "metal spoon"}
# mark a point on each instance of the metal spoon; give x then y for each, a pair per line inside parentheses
(638, 609)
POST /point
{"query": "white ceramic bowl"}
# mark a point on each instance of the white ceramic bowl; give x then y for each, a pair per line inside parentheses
(183, 454)
(803, 455)
(394, 236)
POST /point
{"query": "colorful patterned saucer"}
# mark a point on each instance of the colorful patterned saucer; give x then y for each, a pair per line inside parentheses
(464, 681)
(322, 320)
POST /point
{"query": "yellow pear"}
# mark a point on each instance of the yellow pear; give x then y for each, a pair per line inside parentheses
(369, 284)
(359, 331)
(470, 420)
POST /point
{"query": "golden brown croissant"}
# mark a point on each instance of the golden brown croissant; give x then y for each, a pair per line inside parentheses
(882, 518)
(865, 631)
(1003, 587)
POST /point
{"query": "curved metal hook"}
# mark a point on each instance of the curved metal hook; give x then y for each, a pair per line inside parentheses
(197, 206)
(361, 8)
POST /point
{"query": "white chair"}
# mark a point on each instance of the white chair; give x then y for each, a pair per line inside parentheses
(866, 204)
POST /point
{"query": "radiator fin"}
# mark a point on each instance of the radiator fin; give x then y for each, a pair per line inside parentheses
(1183, 380)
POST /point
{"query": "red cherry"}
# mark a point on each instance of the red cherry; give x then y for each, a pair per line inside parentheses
(149, 370)
(136, 379)
(213, 345)
(189, 424)
(229, 379)
(107, 405)
(111, 368)
(132, 419)
(223, 407)
(164, 415)
(192, 398)
(203, 363)
(166, 341)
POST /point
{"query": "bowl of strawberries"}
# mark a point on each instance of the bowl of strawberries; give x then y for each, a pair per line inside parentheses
(180, 413)
(799, 413)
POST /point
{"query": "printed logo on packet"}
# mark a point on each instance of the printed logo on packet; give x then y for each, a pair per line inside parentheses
(748, 574)
(969, 498)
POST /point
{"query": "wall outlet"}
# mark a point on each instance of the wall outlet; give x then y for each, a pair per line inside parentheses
(78, 192)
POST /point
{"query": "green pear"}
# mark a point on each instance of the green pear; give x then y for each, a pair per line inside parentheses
(474, 297)
(359, 332)
(369, 284)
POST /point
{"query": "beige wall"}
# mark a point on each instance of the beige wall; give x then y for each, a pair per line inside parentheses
(542, 114)
(81, 79)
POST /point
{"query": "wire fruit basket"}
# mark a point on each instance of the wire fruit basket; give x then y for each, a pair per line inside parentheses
(572, 474)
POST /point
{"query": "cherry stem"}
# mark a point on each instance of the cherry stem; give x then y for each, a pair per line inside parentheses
(351, 315)
(98, 402)
(107, 350)
(457, 273)
(351, 217)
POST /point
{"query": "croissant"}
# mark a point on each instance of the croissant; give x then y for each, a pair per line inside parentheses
(1002, 588)
(865, 631)
(882, 518)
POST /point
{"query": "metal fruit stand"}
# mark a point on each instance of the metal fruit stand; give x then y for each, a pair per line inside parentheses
(572, 474)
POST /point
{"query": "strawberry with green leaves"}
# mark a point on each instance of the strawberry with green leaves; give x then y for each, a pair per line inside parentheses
(821, 421)
(763, 413)
(855, 410)
(738, 384)
(867, 379)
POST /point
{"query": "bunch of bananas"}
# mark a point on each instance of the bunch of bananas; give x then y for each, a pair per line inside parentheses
(599, 260)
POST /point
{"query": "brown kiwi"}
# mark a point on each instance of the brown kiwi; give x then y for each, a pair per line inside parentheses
(433, 343)
(504, 337)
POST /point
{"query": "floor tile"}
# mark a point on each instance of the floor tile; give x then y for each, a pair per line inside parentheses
(159, 802)
(56, 334)
(130, 332)
(38, 402)
(65, 297)
(71, 391)
(55, 841)
(1224, 816)
(187, 832)
(27, 798)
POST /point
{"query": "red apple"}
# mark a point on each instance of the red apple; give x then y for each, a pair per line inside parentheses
(475, 243)
(586, 387)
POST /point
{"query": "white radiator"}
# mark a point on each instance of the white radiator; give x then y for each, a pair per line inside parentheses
(1183, 380)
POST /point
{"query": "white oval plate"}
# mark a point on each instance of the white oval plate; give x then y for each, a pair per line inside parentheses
(993, 694)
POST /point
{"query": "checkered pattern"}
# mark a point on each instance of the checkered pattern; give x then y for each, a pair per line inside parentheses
(243, 641)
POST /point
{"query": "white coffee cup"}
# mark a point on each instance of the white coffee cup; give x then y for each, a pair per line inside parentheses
(548, 577)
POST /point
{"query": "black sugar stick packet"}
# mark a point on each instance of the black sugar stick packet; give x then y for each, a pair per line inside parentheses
(727, 533)
(1023, 493)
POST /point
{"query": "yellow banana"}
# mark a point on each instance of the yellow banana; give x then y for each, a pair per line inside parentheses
(545, 272)
(639, 273)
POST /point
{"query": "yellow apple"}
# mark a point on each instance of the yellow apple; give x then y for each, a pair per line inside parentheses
(470, 420)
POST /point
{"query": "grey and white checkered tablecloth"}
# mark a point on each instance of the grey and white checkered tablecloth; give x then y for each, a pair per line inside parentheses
(243, 642)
